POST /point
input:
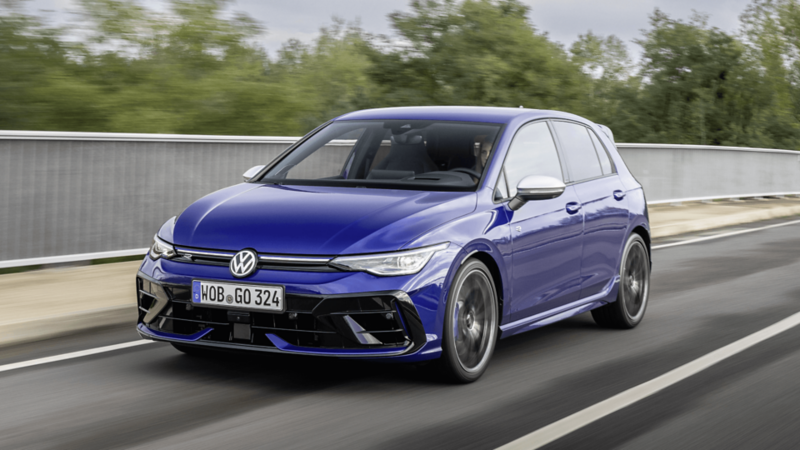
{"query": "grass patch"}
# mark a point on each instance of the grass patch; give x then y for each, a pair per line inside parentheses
(19, 269)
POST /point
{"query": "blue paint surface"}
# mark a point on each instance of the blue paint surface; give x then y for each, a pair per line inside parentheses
(559, 264)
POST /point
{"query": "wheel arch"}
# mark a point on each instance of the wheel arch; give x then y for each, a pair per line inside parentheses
(495, 260)
(497, 278)
(642, 231)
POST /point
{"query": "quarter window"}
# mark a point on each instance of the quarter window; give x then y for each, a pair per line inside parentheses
(579, 151)
(532, 152)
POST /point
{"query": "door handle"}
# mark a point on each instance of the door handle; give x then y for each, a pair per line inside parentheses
(573, 207)
(619, 195)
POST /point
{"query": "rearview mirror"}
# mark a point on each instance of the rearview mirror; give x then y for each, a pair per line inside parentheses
(251, 172)
(536, 187)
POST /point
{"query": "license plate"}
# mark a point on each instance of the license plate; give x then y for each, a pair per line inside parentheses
(238, 296)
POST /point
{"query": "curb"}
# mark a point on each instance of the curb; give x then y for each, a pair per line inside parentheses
(59, 325)
(711, 223)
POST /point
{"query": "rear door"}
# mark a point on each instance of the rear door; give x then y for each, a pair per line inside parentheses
(546, 234)
(602, 197)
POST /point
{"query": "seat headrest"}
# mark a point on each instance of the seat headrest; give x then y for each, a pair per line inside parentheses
(406, 139)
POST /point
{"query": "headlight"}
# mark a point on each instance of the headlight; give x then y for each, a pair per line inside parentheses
(161, 249)
(389, 264)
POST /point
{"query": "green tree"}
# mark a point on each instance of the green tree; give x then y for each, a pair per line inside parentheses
(191, 72)
(329, 77)
(771, 29)
(698, 87)
(475, 52)
(40, 86)
(197, 69)
(613, 88)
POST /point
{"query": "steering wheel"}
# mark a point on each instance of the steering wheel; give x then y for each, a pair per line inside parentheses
(470, 172)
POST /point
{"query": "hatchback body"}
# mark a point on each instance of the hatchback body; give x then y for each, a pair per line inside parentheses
(407, 233)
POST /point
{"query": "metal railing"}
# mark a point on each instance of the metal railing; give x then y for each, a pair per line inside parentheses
(78, 196)
(683, 173)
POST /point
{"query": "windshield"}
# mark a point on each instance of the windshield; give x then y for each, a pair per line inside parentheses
(410, 154)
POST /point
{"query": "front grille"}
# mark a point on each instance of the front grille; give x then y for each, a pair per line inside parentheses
(266, 261)
(316, 322)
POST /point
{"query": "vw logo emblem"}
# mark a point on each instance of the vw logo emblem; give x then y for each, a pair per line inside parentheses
(244, 263)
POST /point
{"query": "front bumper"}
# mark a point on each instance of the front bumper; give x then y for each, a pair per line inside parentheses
(373, 324)
(319, 298)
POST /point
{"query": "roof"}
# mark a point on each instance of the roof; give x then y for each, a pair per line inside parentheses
(488, 114)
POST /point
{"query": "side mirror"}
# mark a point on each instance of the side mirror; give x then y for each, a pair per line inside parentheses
(251, 172)
(536, 187)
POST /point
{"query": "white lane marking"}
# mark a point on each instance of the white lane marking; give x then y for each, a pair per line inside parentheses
(73, 355)
(732, 233)
(556, 430)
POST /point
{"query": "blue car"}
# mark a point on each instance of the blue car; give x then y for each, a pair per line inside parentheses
(411, 234)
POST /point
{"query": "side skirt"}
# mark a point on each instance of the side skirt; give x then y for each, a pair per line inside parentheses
(562, 312)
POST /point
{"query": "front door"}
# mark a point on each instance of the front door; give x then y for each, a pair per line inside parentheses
(547, 244)
(546, 234)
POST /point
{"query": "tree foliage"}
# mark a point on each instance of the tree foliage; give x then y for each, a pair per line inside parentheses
(477, 52)
(197, 69)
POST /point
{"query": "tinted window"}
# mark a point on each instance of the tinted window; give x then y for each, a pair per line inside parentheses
(411, 154)
(532, 153)
(605, 161)
(578, 151)
(328, 160)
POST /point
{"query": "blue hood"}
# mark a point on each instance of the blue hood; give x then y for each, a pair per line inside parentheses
(315, 220)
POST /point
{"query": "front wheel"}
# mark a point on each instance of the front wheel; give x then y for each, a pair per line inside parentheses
(470, 323)
(634, 288)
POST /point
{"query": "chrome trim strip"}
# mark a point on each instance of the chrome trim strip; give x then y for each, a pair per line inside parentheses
(261, 258)
(183, 251)
(295, 259)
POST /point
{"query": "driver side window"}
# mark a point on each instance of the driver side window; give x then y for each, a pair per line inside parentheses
(532, 152)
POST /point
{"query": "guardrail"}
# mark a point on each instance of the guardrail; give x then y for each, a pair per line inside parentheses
(77, 196)
(683, 173)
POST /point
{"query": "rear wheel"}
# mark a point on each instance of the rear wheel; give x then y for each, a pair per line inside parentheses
(634, 288)
(470, 324)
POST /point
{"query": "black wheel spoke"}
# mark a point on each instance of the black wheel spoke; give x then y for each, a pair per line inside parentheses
(635, 280)
(474, 318)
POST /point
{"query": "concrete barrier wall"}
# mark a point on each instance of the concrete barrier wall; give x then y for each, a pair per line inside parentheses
(73, 196)
(674, 173)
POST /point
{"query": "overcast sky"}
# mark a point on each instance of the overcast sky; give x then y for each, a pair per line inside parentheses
(564, 20)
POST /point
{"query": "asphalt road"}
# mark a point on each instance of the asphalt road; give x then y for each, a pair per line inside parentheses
(704, 296)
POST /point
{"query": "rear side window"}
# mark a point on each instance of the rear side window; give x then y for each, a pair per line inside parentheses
(602, 153)
(532, 152)
(579, 151)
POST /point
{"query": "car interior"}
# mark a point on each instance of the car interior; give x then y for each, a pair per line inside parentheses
(408, 152)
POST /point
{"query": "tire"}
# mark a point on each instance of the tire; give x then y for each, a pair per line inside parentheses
(470, 324)
(634, 288)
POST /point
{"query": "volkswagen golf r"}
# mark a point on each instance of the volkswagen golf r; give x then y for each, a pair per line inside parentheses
(410, 234)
